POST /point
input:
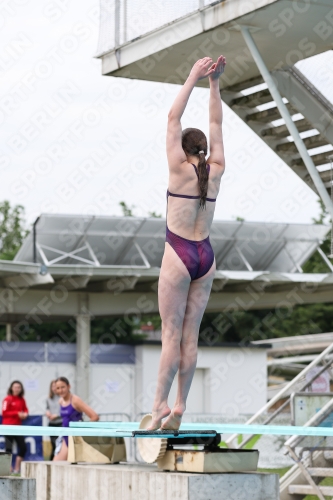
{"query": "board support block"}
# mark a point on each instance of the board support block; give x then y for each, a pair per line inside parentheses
(211, 462)
(103, 450)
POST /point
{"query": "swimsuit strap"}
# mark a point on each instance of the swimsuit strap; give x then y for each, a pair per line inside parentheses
(188, 196)
(196, 169)
(182, 196)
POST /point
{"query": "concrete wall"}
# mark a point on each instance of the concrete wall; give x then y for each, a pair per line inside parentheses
(16, 488)
(60, 481)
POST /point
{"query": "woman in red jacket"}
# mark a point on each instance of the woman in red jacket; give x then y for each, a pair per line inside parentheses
(14, 410)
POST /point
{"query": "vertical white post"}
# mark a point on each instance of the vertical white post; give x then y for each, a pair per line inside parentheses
(83, 356)
(8, 332)
(288, 120)
(125, 14)
(117, 7)
(331, 163)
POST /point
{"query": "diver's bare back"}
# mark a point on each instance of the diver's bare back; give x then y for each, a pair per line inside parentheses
(184, 216)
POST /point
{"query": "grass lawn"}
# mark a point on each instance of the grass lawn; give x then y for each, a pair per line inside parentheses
(281, 472)
(326, 482)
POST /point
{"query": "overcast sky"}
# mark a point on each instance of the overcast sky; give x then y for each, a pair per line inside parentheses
(73, 141)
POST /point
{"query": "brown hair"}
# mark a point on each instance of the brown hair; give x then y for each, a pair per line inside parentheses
(51, 393)
(193, 141)
(10, 390)
(63, 379)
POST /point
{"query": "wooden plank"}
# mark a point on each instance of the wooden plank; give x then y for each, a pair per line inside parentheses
(321, 471)
(305, 489)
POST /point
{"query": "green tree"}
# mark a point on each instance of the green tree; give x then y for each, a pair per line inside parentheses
(154, 215)
(117, 330)
(12, 229)
(127, 211)
(316, 264)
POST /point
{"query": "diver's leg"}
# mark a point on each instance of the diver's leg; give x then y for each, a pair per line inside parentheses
(197, 299)
(173, 287)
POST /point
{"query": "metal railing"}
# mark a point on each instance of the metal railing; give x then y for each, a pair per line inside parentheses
(115, 417)
(286, 392)
(296, 441)
(125, 20)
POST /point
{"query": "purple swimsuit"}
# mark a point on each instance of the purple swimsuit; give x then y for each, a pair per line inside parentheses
(69, 414)
(197, 256)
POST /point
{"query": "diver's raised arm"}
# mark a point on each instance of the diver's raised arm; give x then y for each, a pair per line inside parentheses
(175, 153)
(216, 114)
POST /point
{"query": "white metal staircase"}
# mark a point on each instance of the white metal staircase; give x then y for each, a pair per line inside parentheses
(294, 485)
(304, 477)
(311, 112)
(286, 111)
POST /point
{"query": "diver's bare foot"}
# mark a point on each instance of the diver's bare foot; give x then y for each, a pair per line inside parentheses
(157, 416)
(174, 420)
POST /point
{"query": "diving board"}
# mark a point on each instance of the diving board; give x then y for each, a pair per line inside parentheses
(260, 429)
(130, 429)
(84, 431)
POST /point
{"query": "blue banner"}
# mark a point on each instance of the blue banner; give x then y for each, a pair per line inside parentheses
(34, 443)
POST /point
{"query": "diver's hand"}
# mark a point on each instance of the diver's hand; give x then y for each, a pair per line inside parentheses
(217, 68)
(202, 68)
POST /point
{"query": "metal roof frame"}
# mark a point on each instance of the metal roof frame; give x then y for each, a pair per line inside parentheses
(107, 242)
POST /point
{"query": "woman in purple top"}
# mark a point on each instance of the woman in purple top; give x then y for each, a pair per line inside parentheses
(71, 410)
(188, 265)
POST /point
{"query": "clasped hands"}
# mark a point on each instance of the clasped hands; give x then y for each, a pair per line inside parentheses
(205, 67)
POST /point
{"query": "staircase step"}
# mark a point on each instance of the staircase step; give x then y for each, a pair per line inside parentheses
(257, 80)
(320, 471)
(319, 159)
(315, 141)
(281, 131)
(306, 489)
(269, 115)
(326, 177)
(252, 100)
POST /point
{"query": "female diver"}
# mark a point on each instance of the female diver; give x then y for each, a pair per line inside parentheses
(188, 265)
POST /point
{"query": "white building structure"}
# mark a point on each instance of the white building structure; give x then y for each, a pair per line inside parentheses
(229, 379)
